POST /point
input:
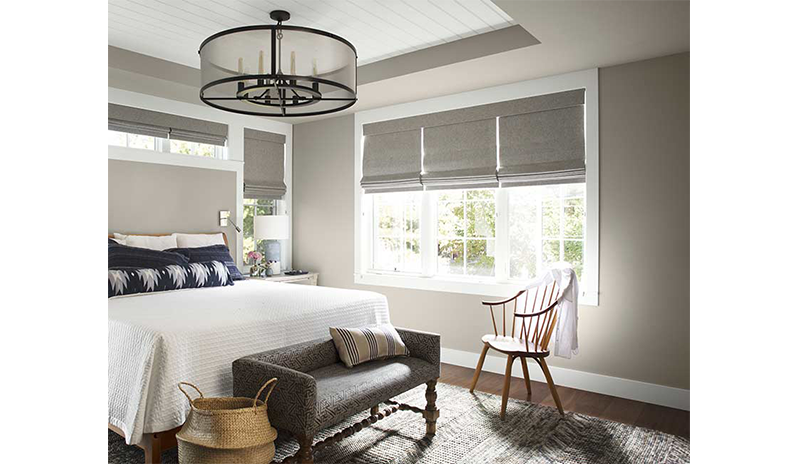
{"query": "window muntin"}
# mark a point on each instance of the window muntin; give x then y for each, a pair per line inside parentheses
(252, 208)
(145, 142)
(396, 232)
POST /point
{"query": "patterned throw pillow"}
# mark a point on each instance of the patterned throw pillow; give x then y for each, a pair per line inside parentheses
(356, 346)
(121, 256)
(172, 277)
(211, 253)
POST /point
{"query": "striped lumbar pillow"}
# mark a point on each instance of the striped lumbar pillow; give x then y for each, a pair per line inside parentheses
(356, 346)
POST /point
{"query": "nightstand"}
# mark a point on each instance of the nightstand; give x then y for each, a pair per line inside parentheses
(304, 279)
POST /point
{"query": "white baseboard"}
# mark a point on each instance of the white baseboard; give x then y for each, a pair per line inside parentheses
(614, 386)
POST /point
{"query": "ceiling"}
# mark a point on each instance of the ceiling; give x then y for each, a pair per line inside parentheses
(379, 29)
(559, 37)
(574, 35)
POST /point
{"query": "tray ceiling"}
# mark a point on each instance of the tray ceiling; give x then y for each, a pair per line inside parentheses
(173, 29)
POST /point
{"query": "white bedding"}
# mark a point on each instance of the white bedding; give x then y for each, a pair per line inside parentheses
(157, 340)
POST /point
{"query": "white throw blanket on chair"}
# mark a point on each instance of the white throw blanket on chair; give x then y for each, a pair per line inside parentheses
(565, 343)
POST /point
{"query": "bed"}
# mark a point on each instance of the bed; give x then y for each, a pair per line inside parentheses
(156, 340)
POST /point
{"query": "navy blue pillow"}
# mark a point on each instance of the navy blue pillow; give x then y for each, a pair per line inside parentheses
(122, 256)
(172, 277)
(211, 253)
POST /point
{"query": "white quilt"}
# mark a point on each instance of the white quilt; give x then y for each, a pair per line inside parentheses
(157, 340)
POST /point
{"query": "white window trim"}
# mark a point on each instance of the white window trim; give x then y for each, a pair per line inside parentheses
(234, 161)
(589, 283)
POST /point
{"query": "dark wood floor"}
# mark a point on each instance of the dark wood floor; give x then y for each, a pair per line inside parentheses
(669, 420)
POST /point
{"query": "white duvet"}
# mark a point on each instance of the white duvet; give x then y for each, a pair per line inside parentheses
(157, 340)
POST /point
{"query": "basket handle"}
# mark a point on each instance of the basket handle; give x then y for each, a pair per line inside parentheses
(191, 402)
(270, 381)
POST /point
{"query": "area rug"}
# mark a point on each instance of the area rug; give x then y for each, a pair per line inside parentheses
(469, 430)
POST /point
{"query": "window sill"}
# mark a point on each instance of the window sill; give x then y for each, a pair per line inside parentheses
(470, 286)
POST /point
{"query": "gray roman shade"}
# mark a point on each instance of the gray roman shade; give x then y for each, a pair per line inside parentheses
(462, 155)
(544, 145)
(392, 160)
(156, 124)
(541, 141)
(263, 164)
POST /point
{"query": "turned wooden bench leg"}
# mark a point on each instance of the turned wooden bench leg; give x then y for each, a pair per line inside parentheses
(306, 453)
(430, 413)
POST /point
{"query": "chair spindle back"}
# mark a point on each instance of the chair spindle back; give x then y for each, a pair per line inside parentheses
(536, 310)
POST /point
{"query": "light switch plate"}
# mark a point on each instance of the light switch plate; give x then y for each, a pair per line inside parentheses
(223, 218)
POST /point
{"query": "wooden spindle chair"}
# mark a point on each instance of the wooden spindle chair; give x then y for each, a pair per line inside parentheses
(531, 328)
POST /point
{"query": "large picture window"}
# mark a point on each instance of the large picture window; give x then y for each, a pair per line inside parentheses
(488, 235)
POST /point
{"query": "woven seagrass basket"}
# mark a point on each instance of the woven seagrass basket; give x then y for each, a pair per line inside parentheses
(227, 430)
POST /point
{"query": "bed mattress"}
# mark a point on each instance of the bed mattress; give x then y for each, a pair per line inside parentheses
(157, 340)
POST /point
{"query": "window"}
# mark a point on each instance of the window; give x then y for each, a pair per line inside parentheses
(465, 235)
(253, 208)
(544, 225)
(481, 241)
(145, 142)
(396, 235)
(192, 148)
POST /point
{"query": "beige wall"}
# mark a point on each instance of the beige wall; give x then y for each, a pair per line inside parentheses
(148, 198)
(640, 331)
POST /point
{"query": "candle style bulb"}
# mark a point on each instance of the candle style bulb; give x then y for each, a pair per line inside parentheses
(261, 62)
(314, 67)
(241, 65)
(292, 66)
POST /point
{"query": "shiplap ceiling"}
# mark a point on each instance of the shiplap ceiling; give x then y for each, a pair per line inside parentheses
(379, 29)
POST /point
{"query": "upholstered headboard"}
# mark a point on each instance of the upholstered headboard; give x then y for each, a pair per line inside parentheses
(224, 236)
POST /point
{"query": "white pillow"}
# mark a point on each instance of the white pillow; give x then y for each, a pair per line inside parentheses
(151, 242)
(199, 240)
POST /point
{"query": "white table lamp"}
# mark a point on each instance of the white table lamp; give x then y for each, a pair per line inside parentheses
(272, 228)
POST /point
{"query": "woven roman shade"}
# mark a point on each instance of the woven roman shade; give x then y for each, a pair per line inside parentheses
(392, 160)
(541, 141)
(546, 144)
(462, 155)
(156, 124)
(263, 164)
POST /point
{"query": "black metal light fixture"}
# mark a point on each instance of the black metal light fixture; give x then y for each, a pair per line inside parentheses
(278, 70)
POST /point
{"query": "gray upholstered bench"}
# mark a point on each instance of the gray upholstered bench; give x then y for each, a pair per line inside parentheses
(315, 390)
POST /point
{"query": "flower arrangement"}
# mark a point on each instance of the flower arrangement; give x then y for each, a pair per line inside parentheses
(254, 257)
(260, 266)
(256, 269)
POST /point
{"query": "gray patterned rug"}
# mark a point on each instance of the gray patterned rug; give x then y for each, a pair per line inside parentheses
(469, 430)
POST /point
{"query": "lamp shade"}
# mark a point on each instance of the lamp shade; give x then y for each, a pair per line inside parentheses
(271, 227)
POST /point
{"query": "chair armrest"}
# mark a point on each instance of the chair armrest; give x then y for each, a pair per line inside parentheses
(292, 405)
(422, 345)
(493, 303)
